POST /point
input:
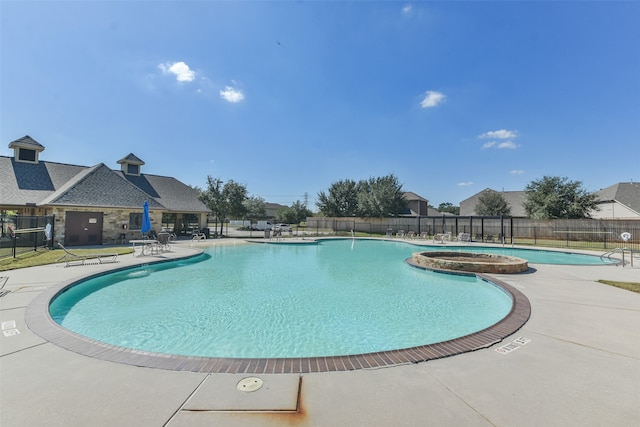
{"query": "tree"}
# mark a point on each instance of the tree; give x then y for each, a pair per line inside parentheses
(255, 207)
(557, 197)
(224, 200)
(235, 194)
(294, 214)
(492, 203)
(449, 207)
(341, 200)
(381, 197)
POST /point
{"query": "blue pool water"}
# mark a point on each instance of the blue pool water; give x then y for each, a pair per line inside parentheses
(287, 300)
(334, 298)
(534, 256)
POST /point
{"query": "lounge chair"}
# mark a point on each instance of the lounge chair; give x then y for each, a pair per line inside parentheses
(71, 258)
(400, 234)
(464, 237)
(198, 236)
(410, 235)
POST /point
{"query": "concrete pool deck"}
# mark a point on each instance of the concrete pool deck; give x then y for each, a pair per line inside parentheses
(575, 362)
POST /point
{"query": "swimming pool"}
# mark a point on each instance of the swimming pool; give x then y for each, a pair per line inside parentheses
(338, 297)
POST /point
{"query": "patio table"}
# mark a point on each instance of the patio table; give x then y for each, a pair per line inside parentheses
(148, 245)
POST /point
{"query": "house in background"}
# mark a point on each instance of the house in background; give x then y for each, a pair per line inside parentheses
(514, 199)
(419, 206)
(94, 205)
(272, 209)
(619, 201)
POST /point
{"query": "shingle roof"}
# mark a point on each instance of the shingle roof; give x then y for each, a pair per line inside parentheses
(410, 195)
(101, 187)
(626, 193)
(131, 158)
(171, 193)
(47, 183)
(27, 141)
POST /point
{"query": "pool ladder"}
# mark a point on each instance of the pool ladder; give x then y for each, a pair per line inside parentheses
(622, 251)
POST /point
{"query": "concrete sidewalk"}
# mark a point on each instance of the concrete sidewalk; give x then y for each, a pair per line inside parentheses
(576, 362)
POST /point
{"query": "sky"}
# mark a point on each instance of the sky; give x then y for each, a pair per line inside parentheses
(289, 97)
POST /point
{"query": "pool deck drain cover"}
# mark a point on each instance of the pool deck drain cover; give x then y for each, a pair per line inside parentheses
(224, 392)
(249, 384)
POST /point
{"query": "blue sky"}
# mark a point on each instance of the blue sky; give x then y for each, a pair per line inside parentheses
(289, 97)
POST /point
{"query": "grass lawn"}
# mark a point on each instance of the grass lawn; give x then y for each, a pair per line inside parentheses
(43, 257)
(630, 286)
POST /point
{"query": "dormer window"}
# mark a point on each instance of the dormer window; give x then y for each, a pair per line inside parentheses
(26, 149)
(133, 169)
(27, 155)
(130, 164)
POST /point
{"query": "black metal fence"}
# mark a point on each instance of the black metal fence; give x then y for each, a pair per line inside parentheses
(574, 233)
(19, 234)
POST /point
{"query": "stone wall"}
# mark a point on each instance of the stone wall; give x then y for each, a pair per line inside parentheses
(113, 221)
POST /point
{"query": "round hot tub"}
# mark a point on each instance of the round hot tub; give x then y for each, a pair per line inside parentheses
(471, 262)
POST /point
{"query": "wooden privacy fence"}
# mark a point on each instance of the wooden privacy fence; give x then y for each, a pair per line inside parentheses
(575, 233)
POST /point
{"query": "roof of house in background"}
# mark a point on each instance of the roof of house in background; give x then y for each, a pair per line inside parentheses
(514, 199)
(626, 193)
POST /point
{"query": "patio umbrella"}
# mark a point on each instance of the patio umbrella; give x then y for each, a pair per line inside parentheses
(146, 219)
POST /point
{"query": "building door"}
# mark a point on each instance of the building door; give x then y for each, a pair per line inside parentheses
(83, 228)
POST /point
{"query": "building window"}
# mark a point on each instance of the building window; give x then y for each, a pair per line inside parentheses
(133, 170)
(135, 221)
(27, 155)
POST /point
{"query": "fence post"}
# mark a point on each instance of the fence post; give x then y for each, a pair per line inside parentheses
(511, 229)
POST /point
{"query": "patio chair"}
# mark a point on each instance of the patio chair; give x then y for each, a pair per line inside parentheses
(410, 235)
(79, 259)
(163, 241)
(400, 234)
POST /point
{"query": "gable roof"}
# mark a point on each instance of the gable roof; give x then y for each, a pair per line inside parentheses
(26, 142)
(49, 183)
(411, 196)
(95, 187)
(626, 193)
(514, 199)
(131, 158)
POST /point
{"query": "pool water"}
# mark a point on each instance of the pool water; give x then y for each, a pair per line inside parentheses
(272, 301)
(534, 256)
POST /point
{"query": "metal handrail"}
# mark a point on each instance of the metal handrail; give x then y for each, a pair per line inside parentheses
(621, 251)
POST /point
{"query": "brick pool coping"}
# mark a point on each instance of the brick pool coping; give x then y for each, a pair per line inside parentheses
(40, 322)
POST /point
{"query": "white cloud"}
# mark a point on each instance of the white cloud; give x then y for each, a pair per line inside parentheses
(464, 184)
(432, 98)
(499, 145)
(507, 144)
(232, 95)
(516, 172)
(489, 144)
(499, 134)
(179, 69)
(407, 9)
